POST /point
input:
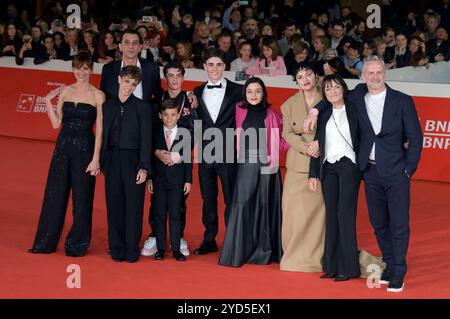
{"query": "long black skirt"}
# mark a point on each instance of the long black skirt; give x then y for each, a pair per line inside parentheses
(253, 233)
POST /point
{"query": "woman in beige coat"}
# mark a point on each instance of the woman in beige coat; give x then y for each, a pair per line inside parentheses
(303, 225)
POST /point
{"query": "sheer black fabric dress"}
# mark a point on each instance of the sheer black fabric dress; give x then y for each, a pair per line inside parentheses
(253, 233)
(73, 153)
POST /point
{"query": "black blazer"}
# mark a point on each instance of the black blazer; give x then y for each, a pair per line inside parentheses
(227, 114)
(316, 164)
(177, 174)
(400, 123)
(151, 80)
(136, 129)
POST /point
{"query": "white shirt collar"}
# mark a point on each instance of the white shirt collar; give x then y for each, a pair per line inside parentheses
(222, 81)
(138, 64)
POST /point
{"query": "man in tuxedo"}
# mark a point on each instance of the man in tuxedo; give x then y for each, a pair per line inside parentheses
(126, 160)
(217, 102)
(387, 119)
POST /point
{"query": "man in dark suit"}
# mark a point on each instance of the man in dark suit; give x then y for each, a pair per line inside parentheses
(217, 102)
(387, 119)
(125, 160)
(170, 182)
(149, 89)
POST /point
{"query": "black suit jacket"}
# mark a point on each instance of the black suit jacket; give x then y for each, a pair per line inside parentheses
(227, 115)
(179, 173)
(135, 132)
(151, 80)
(316, 164)
(400, 123)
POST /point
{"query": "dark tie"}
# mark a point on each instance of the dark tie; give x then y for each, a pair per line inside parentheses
(219, 86)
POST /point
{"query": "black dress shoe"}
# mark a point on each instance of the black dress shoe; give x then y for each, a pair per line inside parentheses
(118, 260)
(206, 247)
(328, 276)
(178, 256)
(341, 278)
(159, 255)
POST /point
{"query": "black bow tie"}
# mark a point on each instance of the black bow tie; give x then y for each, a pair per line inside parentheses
(219, 86)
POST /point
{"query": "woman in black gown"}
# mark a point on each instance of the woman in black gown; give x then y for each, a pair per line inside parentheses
(253, 233)
(75, 162)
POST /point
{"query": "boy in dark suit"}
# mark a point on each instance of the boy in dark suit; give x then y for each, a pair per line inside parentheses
(125, 160)
(174, 76)
(170, 182)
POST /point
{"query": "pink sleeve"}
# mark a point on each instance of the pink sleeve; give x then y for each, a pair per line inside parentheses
(280, 67)
(284, 146)
(254, 69)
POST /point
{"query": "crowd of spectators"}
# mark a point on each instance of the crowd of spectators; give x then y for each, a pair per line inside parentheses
(261, 37)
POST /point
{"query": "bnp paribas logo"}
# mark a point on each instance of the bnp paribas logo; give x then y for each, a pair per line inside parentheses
(26, 103)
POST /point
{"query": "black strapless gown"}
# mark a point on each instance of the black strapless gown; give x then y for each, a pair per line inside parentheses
(73, 152)
(253, 233)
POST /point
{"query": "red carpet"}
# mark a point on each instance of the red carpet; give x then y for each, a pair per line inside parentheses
(23, 171)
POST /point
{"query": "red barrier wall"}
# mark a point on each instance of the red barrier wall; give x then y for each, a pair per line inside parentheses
(23, 114)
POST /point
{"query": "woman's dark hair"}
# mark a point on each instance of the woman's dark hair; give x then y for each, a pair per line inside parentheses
(337, 64)
(305, 66)
(102, 47)
(336, 78)
(83, 57)
(264, 101)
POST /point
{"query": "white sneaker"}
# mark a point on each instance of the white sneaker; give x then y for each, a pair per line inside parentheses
(149, 247)
(184, 247)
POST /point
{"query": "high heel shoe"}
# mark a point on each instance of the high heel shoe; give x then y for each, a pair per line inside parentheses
(36, 251)
(328, 276)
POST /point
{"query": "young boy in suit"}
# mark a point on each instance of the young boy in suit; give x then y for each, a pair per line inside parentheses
(174, 77)
(126, 160)
(170, 182)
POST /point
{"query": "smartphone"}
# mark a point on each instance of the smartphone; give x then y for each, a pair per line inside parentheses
(243, 3)
(146, 18)
(117, 27)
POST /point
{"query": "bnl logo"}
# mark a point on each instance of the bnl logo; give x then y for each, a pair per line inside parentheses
(26, 102)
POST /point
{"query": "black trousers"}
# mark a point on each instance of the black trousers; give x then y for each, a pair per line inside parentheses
(340, 186)
(125, 204)
(167, 201)
(151, 216)
(388, 200)
(67, 173)
(208, 175)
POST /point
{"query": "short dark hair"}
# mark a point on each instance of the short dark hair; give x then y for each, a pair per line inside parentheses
(129, 31)
(175, 64)
(48, 35)
(305, 66)
(336, 78)
(357, 46)
(265, 102)
(169, 104)
(214, 53)
(131, 71)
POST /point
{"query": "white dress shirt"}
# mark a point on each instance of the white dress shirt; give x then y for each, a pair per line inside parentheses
(138, 90)
(335, 145)
(173, 133)
(375, 107)
(213, 98)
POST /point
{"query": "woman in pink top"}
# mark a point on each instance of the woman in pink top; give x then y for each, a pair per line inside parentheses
(271, 62)
(253, 232)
